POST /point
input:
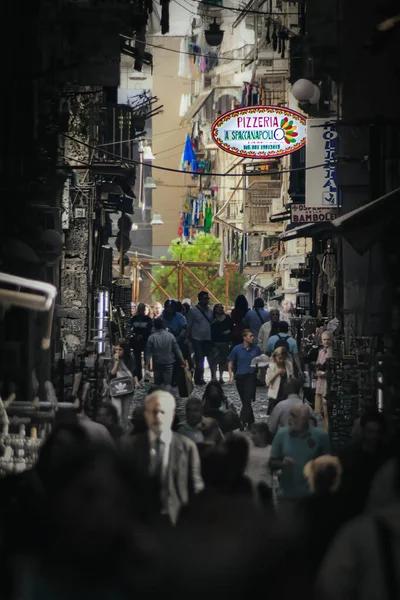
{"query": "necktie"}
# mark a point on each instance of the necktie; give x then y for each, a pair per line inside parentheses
(157, 470)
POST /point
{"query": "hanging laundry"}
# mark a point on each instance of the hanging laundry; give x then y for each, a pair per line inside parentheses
(185, 104)
(164, 16)
(180, 228)
(274, 38)
(268, 35)
(208, 218)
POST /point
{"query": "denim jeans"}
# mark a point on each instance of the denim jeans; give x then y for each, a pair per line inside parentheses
(202, 349)
(123, 406)
(163, 374)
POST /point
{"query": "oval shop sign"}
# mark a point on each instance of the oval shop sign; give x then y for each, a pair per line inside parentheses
(260, 131)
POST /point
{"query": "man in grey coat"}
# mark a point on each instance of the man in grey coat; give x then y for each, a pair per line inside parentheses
(165, 465)
(163, 348)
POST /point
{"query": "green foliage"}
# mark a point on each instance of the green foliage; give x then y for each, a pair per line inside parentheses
(204, 248)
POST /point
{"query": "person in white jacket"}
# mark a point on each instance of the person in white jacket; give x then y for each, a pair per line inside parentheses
(279, 371)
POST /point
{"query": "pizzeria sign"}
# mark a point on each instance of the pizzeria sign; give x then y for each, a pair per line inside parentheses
(260, 132)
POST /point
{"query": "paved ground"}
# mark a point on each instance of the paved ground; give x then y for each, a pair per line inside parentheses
(259, 406)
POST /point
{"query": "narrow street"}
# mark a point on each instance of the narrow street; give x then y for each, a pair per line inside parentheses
(259, 408)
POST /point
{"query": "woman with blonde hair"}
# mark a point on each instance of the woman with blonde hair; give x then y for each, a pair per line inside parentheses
(279, 371)
(324, 474)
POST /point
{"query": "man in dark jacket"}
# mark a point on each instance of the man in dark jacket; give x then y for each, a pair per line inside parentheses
(166, 465)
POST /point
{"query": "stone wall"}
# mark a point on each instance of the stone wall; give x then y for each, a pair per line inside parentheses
(75, 266)
(75, 285)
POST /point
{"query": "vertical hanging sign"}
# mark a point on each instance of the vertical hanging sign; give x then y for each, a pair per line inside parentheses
(321, 149)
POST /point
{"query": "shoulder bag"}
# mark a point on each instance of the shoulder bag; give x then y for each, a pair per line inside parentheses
(122, 384)
(204, 314)
(259, 316)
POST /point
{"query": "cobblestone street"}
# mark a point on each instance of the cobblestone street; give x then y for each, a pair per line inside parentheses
(259, 407)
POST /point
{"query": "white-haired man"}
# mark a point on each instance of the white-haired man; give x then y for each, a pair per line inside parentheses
(165, 464)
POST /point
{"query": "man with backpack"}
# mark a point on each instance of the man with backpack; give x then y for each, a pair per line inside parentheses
(283, 339)
(254, 319)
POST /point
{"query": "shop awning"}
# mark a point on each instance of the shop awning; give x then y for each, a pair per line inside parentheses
(306, 230)
(362, 227)
(196, 106)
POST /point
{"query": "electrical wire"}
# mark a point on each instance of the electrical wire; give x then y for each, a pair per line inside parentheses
(138, 162)
(230, 58)
(184, 8)
(247, 11)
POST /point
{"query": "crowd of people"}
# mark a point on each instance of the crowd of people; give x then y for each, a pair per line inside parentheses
(218, 502)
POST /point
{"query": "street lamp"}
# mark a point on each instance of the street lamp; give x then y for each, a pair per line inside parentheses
(303, 90)
(156, 220)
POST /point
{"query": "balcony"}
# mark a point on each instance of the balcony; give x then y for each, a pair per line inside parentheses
(259, 206)
(209, 8)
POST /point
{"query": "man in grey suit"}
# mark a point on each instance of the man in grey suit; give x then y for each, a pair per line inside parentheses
(165, 465)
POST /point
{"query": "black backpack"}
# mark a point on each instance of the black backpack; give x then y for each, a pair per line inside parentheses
(282, 342)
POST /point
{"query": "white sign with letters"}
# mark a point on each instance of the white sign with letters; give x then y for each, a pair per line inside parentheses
(321, 149)
(302, 214)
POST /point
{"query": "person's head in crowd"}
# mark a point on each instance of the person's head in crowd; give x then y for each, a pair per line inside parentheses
(237, 448)
(327, 339)
(259, 303)
(170, 308)
(121, 349)
(158, 324)
(107, 414)
(287, 306)
(213, 394)
(211, 432)
(223, 465)
(179, 307)
(283, 327)
(299, 418)
(157, 309)
(292, 386)
(248, 337)
(241, 304)
(88, 509)
(203, 299)
(274, 315)
(159, 412)
(141, 309)
(133, 309)
(57, 447)
(280, 356)
(218, 310)
(146, 310)
(260, 434)
(194, 411)
(324, 475)
(138, 420)
(186, 307)
(373, 428)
